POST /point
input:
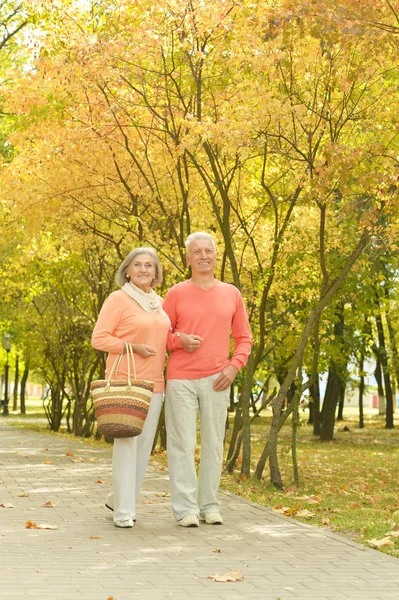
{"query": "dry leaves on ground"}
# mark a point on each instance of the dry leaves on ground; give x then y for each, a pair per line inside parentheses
(23, 495)
(216, 550)
(380, 543)
(230, 576)
(7, 505)
(32, 525)
(95, 537)
(48, 504)
(48, 462)
(305, 514)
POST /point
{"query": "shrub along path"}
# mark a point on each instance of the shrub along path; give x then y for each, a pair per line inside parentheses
(51, 481)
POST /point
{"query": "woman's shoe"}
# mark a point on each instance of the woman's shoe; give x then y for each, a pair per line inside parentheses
(125, 523)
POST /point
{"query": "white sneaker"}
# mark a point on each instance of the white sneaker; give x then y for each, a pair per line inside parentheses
(213, 518)
(189, 521)
(124, 523)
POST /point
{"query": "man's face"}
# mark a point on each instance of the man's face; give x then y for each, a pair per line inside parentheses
(201, 257)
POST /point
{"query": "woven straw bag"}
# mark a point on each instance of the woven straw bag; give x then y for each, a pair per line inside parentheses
(121, 405)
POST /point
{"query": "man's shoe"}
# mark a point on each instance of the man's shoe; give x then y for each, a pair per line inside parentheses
(125, 523)
(189, 521)
(213, 518)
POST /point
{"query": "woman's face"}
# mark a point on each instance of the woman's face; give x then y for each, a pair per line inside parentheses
(142, 271)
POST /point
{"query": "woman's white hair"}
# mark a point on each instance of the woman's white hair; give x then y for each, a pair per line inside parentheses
(199, 235)
(121, 276)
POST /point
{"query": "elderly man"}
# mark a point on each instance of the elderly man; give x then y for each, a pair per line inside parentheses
(199, 375)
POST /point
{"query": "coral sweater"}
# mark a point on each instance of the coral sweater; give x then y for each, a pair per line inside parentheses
(212, 314)
(122, 319)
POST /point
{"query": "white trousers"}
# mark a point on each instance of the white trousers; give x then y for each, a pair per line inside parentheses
(184, 398)
(130, 458)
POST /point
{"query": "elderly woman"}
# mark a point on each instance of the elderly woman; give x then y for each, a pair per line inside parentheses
(134, 314)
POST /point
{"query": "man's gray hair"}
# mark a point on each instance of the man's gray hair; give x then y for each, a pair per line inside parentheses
(199, 235)
(121, 275)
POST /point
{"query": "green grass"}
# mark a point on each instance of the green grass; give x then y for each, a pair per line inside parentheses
(349, 485)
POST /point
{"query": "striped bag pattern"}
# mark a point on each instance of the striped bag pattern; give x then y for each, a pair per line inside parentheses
(121, 405)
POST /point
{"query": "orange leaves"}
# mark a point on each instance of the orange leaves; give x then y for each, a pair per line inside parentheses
(30, 525)
(48, 504)
(46, 526)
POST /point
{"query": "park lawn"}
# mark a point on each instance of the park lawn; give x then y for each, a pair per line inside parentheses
(349, 485)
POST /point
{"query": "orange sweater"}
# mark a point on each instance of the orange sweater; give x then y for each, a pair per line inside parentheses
(122, 319)
(212, 314)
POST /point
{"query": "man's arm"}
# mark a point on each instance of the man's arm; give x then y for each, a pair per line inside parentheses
(177, 339)
(242, 337)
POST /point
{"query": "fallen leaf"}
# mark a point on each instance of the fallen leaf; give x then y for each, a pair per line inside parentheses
(216, 550)
(353, 505)
(312, 501)
(393, 533)
(48, 504)
(95, 537)
(30, 525)
(281, 509)
(69, 454)
(230, 576)
(1, 481)
(306, 514)
(325, 521)
(98, 481)
(48, 462)
(47, 526)
(243, 477)
(23, 495)
(77, 459)
(381, 543)
(7, 505)
(163, 495)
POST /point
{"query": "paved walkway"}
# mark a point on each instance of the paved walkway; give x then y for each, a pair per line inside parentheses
(87, 557)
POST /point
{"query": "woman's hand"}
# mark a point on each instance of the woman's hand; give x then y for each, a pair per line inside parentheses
(144, 350)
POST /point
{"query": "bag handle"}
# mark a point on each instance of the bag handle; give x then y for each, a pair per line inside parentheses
(117, 362)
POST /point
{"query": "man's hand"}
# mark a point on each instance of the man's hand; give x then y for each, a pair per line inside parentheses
(225, 378)
(144, 350)
(190, 342)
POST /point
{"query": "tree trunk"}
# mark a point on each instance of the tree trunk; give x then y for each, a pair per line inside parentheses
(327, 293)
(246, 421)
(16, 383)
(393, 346)
(383, 355)
(380, 386)
(24, 379)
(340, 415)
(334, 384)
(361, 390)
(316, 416)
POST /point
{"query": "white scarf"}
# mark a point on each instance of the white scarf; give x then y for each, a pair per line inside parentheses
(149, 302)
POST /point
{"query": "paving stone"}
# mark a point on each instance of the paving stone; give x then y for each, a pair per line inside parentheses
(281, 559)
